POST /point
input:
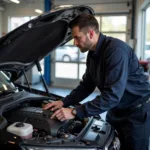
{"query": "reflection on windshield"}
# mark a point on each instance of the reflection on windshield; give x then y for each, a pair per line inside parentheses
(5, 84)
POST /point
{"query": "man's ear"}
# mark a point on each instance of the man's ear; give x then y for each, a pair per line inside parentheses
(91, 33)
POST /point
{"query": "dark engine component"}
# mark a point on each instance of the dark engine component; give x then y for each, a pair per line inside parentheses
(38, 118)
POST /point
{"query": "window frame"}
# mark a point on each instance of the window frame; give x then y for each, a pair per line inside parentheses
(144, 30)
(114, 15)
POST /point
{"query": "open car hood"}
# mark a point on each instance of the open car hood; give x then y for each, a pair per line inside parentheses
(21, 48)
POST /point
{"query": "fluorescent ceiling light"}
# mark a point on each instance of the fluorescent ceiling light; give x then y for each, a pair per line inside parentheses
(62, 6)
(38, 11)
(15, 1)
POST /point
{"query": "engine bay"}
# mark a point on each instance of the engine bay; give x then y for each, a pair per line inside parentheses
(41, 122)
(39, 119)
(28, 124)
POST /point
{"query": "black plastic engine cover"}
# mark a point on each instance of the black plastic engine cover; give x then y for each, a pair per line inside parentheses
(39, 120)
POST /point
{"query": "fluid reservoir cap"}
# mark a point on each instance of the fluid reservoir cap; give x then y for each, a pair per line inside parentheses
(19, 124)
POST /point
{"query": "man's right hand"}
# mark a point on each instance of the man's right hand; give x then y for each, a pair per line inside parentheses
(54, 105)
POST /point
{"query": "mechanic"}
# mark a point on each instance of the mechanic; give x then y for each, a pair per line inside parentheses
(114, 69)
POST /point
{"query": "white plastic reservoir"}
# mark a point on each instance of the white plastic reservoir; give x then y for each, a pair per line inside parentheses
(24, 130)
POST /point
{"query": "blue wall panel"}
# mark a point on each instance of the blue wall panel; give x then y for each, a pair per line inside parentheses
(47, 59)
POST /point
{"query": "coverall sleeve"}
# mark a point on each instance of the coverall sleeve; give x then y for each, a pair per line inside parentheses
(84, 89)
(116, 76)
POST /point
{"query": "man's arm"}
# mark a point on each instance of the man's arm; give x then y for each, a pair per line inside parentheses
(84, 89)
(116, 76)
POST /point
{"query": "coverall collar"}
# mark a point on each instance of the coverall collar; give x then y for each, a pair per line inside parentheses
(99, 46)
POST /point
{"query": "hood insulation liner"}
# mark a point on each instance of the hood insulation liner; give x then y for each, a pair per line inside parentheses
(42, 39)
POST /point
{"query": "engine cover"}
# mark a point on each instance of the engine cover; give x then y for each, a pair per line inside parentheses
(36, 117)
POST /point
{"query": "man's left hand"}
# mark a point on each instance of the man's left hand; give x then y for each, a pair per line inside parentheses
(63, 114)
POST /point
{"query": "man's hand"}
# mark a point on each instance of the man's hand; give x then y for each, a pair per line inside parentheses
(54, 105)
(63, 114)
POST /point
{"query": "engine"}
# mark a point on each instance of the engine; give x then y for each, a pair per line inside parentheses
(40, 120)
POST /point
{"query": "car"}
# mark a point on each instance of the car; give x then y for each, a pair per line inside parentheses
(24, 124)
(69, 53)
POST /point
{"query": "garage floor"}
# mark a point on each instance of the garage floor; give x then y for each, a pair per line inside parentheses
(65, 91)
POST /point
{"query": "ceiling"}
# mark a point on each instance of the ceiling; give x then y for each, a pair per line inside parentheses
(56, 3)
(87, 2)
(2, 2)
(71, 2)
(7, 2)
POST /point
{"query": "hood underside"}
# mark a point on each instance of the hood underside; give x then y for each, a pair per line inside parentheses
(23, 47)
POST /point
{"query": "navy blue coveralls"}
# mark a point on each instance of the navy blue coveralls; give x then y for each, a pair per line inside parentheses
(115, 70)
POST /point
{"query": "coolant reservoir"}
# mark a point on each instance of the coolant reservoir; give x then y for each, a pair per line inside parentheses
(24, 130)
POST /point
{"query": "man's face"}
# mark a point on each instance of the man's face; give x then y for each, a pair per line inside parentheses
(81, 39)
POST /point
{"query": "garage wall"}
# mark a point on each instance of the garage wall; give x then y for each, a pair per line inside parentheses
(111, 8)
(1, 23)
(22, 9)
(140, 5)
(1, 19)
(100, 6)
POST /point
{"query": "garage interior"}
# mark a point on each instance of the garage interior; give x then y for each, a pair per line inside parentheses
(125, 19)
(64, 67)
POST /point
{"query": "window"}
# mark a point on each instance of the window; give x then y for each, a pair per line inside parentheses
(18, 21)
(147, 35)
(114, 26)
(68, 59)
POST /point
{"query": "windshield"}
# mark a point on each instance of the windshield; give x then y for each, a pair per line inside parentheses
(5, 84)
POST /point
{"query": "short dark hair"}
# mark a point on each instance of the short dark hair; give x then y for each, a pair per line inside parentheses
(84, 21)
